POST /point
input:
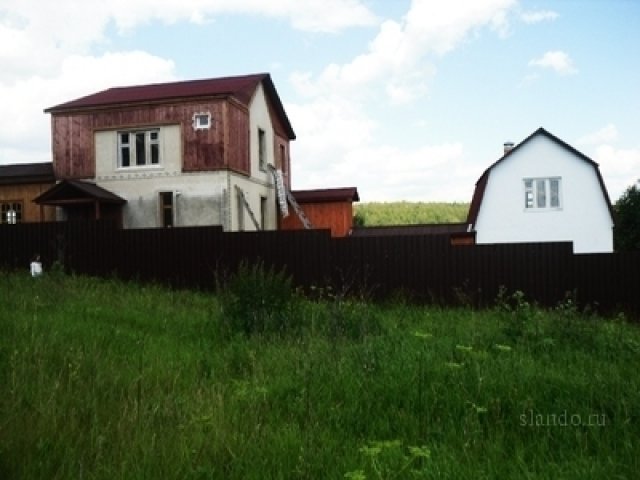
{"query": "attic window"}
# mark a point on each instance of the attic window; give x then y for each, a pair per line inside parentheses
(201, 121)
(542, 193)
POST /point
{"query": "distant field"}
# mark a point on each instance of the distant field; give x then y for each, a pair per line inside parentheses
(405, 213)
(106, 380)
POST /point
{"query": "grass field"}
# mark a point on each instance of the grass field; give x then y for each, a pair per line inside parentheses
(110, 380)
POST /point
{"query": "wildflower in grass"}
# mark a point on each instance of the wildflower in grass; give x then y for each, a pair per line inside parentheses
(355, 475)
(464, 348)
(478, 408)
(503, 348)
(422, 452)
(371, 450)
(422, 334)
(389, 443)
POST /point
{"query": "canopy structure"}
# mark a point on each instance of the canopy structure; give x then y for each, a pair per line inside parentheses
(84, 200)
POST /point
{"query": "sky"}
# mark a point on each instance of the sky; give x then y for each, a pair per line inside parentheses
(403, 99)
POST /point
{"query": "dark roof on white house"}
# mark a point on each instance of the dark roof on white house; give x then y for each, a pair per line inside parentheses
(481, 184)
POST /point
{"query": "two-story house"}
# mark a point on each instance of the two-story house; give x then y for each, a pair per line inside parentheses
(198, 152)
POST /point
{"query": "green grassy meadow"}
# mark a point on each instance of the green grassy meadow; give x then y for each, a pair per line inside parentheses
(109, 380)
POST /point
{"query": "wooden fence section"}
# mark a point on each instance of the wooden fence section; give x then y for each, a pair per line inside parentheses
(423, 268)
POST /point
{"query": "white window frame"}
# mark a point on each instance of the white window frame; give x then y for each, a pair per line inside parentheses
(202, 121)
(11, 212)
(539, 194)
(151, 144)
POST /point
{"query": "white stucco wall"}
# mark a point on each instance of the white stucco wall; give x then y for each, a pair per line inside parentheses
(253, 192)
(583, 217)
(259, 118)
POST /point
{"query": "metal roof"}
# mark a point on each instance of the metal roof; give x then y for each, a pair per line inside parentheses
(77, 190)
(240, 87)
(326, 195)
(21, 173)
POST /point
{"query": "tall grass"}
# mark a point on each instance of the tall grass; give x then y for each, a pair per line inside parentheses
(110, 380)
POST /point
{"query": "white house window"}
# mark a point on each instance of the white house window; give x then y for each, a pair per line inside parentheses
(138, 148)
(11, 212)
(542, 193)
(201, 121)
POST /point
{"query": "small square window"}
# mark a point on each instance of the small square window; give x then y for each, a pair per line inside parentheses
(201, 121)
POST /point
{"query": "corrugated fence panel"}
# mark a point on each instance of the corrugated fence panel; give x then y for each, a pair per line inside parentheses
(608, 281)
(424, 268)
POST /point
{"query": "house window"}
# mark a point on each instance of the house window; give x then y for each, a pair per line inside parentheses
(542, 193)
(262, 149)
(201, 121)
(166, 209)
(11, 213)
(138, 148)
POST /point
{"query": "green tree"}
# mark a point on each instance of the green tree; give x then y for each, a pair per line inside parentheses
(358, 219)
(627, 230)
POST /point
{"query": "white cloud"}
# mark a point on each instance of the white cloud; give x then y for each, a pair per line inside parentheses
(619, 166)
(48, 51)
(431, 172)
(23, 124)
(399, 53)
(537, 16)
(555, 60)
(606, 134)
(35, 36)
(338, 143)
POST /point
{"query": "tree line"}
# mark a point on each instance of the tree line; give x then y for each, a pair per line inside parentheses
(409, 213)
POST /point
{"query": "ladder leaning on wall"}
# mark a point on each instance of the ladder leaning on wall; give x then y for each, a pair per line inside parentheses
(248, 207)
(285, 195)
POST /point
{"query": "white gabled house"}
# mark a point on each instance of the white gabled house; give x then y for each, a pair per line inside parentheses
(543, 190)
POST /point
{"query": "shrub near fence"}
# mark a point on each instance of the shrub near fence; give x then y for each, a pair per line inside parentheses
(424, 268)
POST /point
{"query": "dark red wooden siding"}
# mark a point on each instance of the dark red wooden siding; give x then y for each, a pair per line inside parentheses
(225, 145)
(335, 216)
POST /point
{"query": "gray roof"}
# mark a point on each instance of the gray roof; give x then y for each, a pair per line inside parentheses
(21, 173)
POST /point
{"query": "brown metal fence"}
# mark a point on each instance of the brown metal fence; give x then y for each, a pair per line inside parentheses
(424, 268)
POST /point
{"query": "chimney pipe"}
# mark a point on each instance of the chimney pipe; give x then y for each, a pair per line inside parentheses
(508, 146)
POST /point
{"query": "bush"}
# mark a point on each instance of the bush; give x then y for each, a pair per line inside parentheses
(627, 230)
(259, 300)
